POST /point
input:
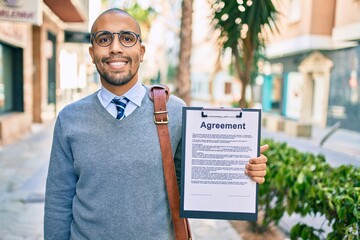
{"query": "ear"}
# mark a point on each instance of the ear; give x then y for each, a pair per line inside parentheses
(91, 51)
(142, 52)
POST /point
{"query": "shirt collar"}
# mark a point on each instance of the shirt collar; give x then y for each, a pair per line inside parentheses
(134, 94)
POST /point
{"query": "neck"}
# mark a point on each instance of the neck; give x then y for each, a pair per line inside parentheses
(119, 90)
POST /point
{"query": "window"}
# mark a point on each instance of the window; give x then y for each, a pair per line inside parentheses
(227, 88)
(294, 11)
(11, 84)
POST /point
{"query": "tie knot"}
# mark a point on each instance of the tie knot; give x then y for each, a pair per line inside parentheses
(120, 104)
(120, 101)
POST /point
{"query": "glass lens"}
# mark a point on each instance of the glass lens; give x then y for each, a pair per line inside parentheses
(128, 39)
(103, 38)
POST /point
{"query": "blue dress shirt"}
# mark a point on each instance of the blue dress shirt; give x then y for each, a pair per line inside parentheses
(135, 95)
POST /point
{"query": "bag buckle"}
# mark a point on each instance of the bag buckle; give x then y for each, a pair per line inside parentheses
(161, 121)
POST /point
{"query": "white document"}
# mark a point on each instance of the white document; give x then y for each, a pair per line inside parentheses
(217, 144)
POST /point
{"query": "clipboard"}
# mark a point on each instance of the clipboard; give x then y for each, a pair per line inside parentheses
(216, 145)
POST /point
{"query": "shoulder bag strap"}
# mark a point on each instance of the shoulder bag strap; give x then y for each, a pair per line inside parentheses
(159, 94)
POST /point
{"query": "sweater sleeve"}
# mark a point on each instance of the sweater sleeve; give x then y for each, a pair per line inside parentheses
(60, 188)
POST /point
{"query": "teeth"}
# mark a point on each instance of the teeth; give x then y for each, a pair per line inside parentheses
(115, 64)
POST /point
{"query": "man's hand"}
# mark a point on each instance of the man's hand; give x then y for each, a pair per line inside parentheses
(256, 169)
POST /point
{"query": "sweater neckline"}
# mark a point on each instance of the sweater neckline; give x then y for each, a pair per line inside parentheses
(136, 114)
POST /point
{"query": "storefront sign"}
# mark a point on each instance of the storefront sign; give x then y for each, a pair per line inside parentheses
(76, 37)
(29, 11)
(13, 34)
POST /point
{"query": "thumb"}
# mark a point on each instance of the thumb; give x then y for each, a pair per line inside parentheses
(263, 148)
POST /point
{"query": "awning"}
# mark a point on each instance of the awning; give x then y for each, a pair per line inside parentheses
(66, 10)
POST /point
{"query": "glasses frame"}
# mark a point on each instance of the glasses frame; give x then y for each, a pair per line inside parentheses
(93, 35)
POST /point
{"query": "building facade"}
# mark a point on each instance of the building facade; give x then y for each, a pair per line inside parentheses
(312, 75)
(29, 61)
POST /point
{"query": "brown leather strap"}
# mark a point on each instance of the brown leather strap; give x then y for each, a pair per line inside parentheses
(160, 94)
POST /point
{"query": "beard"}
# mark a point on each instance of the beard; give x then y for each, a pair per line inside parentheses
(112, 79)
(116, 78)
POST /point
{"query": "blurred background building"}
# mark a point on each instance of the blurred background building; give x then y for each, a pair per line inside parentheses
(312, 76)
(43, 60)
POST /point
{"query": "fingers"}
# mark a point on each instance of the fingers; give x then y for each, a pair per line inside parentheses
(256, 169)
(259, 180)
(263, 148)
(257, 175)
(261, 159)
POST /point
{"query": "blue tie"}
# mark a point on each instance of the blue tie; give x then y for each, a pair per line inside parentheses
(120, 106)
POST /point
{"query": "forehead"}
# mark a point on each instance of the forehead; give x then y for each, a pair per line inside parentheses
(114, 22)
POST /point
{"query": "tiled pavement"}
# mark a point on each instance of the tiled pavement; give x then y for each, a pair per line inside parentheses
(23, 168)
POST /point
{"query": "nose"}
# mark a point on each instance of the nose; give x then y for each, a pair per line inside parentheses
(116, 46)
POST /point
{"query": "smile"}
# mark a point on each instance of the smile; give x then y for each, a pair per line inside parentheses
(117, 64)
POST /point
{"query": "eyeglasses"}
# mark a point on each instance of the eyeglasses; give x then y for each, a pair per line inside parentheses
(105, 38)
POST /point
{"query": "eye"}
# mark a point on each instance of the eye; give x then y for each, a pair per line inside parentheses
(103, 38)
(128, 37)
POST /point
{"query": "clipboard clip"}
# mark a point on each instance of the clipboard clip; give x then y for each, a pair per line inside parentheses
(232, 110)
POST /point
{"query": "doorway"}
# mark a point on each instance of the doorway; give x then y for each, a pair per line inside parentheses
(316, 71)
(51, 59)
(318, 98)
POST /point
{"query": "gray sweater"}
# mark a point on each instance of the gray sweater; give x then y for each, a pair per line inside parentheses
(105, 178)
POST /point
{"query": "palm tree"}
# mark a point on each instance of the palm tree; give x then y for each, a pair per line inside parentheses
(241, 24)
(144, 16)
(183, 82)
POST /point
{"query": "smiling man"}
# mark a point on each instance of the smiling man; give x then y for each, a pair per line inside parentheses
(105, 177)
(117, 61)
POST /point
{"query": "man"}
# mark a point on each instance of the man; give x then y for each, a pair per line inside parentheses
(105, 178)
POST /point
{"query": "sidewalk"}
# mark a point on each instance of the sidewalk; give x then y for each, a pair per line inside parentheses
(23, 169)
(341, 147)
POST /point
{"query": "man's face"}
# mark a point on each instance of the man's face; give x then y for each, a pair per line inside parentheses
(117, 65)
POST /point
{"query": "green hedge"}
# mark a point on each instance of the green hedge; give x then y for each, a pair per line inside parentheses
(304, 183)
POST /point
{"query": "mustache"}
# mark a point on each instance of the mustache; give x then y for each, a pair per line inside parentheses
(118, 56)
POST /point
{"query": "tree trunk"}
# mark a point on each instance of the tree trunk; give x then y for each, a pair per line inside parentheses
(217, 69)
(241, 73)
(183, 81)
(243, 70)
(249, 62)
